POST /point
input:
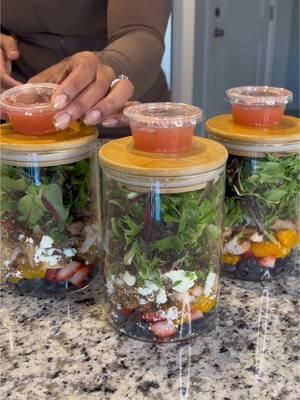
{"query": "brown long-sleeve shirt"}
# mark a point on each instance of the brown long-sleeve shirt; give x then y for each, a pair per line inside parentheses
(129, 34)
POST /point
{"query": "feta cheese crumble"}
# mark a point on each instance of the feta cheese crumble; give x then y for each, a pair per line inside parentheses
(172, 313)
(143, 291)
(209, 283)
(45, 252)
(183, 280)
(161, 297)
(128, 278)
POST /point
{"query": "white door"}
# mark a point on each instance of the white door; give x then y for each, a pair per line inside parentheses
(232, 36)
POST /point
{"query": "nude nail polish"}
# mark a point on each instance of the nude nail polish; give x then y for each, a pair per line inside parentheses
(110, 123)
(92, 118)
(60, 101)
(62, 121)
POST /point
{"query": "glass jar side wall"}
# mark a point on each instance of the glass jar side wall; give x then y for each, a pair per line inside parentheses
(50, 226)
(262, 202)
(162, 258)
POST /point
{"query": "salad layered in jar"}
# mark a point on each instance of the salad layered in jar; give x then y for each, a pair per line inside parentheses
(162, 239)
(262, 204)
(49, 226)
(261, 233)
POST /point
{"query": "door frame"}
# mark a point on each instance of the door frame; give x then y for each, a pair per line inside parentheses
(189, 67)
(183, 50)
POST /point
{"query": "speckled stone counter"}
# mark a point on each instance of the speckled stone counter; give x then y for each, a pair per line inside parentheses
(64, 349)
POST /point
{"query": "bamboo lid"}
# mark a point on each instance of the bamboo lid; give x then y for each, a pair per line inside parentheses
(204, 156)
(222, 127)
(76, 136)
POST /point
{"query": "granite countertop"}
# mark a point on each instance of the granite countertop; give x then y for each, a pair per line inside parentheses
(64, 349)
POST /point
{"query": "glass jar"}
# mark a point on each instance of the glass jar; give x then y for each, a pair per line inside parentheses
(162, 217)
(261, 232)
(50, 225)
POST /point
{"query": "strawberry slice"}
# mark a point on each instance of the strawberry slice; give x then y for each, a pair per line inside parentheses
(268, 262)
(126, 311)
(163, 329)
(196, 314)
(153, 316)
(247, 254)
(78, 278)
(64, 274)
(51, 275)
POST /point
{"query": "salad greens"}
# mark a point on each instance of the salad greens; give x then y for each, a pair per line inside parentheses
(147, 233)
(262, 190)
(47, 197)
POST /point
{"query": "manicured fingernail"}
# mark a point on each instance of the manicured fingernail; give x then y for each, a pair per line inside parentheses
(62, 121)
(92, 117)
(60, 101)
(110, 123)
(13, 54)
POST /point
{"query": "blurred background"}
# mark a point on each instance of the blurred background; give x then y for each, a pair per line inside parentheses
(212, 45)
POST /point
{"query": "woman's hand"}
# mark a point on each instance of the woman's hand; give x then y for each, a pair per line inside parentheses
(84, 91)
(8, 53)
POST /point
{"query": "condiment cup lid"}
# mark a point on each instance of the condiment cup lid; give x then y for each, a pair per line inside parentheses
(33, 96)
(163, 115)
(259, 96)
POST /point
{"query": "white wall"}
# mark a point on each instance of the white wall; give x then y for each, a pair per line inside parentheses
(167, 58)
(293, 72)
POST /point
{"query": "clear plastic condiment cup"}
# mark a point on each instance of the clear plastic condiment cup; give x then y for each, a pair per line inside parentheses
(163, 127)
(259, 106)
(29, 108)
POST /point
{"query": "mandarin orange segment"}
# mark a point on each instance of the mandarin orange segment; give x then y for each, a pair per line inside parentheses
(288, 238)
(205, 304)
(265, 249)
(230, 259)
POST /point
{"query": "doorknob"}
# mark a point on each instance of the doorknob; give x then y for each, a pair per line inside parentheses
(218, 32)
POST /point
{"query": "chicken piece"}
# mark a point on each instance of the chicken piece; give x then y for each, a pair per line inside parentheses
(256, 237)
(237, 246)
(283, 224)
(76, 228)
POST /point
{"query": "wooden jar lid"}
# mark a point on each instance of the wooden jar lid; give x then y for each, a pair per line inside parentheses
(205, 155)
(222, 126)
(169, 173)
(76, 136)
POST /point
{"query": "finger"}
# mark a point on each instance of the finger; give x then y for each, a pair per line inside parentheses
(6, 80)
(117, 120)
(9, 45)
(3, 114)
(54, 74)
(114, 121)
(84, 102)
(113, 102)
(79, 78)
